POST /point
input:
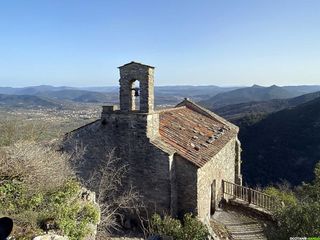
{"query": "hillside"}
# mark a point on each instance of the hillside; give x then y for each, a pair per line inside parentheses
(285, 145)
(248, 94)
(80, 95)
(303, 89)
(27, 101)
(235, 112)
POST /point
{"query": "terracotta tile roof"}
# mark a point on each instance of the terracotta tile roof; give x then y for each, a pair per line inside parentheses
(194, 136)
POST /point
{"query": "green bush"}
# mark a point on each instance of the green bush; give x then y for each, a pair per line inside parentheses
(189, 229)
(71, 215)
(301, 220)
(285, 196)
(166, 226)
(300, 214)
(193, 228)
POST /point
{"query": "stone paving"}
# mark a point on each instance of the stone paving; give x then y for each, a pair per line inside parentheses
(240, 226)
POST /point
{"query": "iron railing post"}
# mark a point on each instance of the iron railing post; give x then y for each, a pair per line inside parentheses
(222, 188)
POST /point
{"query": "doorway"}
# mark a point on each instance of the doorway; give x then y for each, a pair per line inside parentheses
(213, 198)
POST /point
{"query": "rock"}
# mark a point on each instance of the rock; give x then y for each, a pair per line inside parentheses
(87, 195)
(50, 237)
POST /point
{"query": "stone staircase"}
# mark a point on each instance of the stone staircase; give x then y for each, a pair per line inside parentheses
(239, 225)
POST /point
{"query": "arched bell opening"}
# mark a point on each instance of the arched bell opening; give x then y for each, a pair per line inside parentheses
(135, 95)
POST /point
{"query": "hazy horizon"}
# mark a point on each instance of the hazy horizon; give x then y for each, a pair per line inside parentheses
(173, 85)
(223, 43)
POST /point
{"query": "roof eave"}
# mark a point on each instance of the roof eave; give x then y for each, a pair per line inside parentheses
(133, 62)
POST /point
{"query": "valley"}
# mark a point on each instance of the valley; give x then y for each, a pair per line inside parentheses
(270, 129)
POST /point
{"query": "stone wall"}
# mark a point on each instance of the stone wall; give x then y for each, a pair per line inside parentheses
(149, 166)
(221, 167)
(133, 123)
(173, 190)
(130, 135)
(186, 181)
(149, 174)
(90, 145)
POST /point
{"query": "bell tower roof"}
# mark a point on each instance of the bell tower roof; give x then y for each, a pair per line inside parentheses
(136, 63)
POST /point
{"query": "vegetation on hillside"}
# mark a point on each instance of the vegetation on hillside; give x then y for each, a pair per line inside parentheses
(298, 215)
(38, 186)
(12, 131)
(39, 183)
(283, 146)
(27, 101)
(239, 113)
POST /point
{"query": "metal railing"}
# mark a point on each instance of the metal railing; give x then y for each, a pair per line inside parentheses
(249, 195)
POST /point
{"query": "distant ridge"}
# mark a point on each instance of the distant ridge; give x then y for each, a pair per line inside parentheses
(236, 111)
(248, 94)
(77, 95)
(27, 101)
(32, 90)
(303, 89)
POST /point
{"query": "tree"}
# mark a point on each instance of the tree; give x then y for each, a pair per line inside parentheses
(105, 175)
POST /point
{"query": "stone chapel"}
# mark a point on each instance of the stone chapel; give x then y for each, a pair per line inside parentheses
(176, 157)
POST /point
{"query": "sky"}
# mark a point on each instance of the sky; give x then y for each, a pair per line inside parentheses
(200, 42)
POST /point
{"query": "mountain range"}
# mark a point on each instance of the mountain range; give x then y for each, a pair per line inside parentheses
(164, 95)
(213, 97)
(249, 94)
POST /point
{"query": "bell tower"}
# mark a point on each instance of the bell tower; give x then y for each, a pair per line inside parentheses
(136, 116)
(130, 74)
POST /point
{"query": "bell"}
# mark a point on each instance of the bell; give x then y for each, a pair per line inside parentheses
(136, 92)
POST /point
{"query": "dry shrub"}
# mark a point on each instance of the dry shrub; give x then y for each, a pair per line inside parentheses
(39, 166)
(112, 197)
(106, 179)
(13, 130)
